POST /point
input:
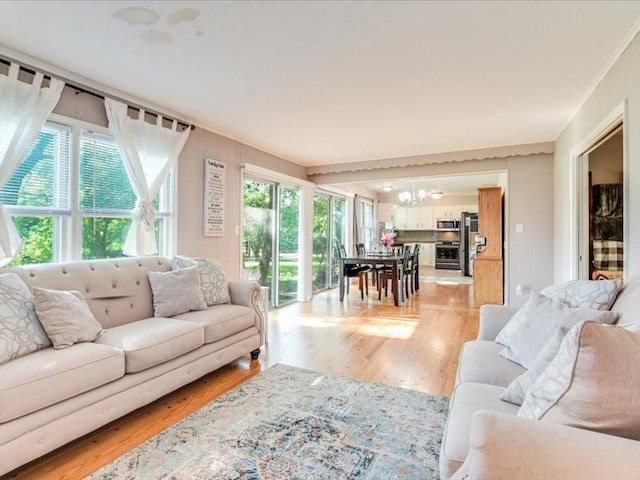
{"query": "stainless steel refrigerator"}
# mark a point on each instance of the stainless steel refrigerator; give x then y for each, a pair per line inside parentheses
(468, 232)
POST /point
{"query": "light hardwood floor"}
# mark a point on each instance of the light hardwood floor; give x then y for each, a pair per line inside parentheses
(413, 346)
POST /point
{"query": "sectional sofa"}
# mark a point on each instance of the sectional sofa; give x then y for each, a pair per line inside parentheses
(486, 439)
(52, 396)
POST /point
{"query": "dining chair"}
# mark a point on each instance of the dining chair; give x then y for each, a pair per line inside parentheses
(352, 271)
(362, 251)
(386, 274)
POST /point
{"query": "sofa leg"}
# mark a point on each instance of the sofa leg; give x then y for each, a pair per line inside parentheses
(255, 353)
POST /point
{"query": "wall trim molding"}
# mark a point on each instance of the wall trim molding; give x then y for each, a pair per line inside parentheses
(429, 159)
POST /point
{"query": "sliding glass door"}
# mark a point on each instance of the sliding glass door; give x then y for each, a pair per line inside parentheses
(270, 238)
(328, 232)
(287, 239)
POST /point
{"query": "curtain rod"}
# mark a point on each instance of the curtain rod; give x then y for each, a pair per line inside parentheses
(90, 91)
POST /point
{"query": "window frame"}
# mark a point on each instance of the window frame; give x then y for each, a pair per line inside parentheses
(67, 232)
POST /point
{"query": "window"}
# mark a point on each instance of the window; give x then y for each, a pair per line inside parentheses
(367, 224)
(39, 196)
(107, 198)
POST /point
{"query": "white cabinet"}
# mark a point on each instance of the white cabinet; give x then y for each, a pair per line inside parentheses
(428, 254)
(413, 219)
(453, 211)
(385, 212)
(427, 218)
(400, 218)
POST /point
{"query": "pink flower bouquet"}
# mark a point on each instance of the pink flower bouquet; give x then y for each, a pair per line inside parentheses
(387, 239)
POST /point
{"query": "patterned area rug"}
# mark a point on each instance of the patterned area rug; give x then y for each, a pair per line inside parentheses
(290, 423)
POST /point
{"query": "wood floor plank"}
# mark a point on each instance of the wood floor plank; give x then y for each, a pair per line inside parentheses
(413, 346)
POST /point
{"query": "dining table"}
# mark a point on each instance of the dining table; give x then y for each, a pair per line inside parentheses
(394, 260)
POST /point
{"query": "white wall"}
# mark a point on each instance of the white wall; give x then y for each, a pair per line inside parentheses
(621, 83)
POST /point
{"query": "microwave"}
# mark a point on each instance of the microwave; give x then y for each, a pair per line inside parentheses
(448, 224)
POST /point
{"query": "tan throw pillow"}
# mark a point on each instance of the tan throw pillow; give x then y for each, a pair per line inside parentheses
(65, 317)
(592, 383)
(176, 292)
(533, 325)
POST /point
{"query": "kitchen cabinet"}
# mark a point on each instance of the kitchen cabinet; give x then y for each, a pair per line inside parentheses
(385, 212)
(449, 211)
(425, 218)
(428, 254)
(400, 218)
(488, 268)
(413, 218)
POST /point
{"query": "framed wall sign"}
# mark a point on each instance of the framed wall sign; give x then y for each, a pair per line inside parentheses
(214, 177)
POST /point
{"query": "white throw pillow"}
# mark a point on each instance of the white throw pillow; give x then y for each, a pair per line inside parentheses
(532, 326)
(20, 331)
(65, 316)
(176, 292)
(213, 280)
(517, 389)
(592, 383)
(596, 294)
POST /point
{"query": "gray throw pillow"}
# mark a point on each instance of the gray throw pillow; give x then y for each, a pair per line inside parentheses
(533, 325)
(66, 317)
(597, 294)
(20, 331)
(176, 292)
(517, 389)
(213, 281)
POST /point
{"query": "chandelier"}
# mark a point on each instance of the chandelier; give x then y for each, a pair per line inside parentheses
(410, 199)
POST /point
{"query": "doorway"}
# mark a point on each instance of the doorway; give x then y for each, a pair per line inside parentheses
(601, 232)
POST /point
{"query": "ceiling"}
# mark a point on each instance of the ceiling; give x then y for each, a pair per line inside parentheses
(321, 83)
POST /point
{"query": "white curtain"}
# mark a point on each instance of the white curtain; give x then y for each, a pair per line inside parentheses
(357, 219)
(149, 153)
(24, 108)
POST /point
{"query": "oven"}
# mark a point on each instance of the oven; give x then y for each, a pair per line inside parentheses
(448, 255)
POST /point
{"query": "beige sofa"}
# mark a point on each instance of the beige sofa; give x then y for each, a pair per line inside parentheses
(485, 439)
(50, 397)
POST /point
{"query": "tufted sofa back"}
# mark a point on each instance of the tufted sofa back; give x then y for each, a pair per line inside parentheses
(117, 290)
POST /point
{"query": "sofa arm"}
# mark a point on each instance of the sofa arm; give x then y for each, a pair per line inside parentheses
(507, 446)
(249, 294)
(493, 318)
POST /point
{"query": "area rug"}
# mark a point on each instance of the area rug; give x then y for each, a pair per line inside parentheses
(291, 423)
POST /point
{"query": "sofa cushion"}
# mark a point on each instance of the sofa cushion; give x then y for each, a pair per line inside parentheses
(20, 331)
(153, 341)
(49, 376)
(531, 328)
(221, 321)
(65, 316)
(213, 281)
(480, 362)
(596, 294)
(176, 292)
(467, 399)
(592, 383)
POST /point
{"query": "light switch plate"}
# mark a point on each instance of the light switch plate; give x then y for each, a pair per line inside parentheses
(519, 228)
